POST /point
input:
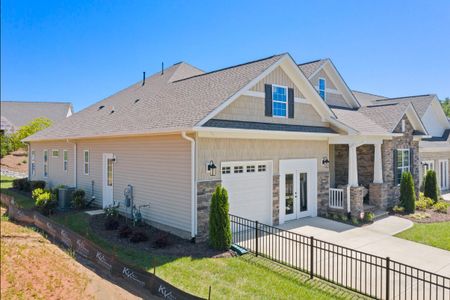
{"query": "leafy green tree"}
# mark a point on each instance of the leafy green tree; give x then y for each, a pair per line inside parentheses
(31, 128)
(430, 188)
(219, 220)
(446, 106)
(407, 193)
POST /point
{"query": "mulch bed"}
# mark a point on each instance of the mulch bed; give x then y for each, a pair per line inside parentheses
(176, 246)
(434, 217)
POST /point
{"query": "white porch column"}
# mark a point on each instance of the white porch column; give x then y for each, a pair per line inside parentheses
(377, 165)
(352, 166)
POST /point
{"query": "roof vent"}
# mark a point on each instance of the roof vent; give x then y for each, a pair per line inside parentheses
(143, 78)
(162, 68)
(101, 107)
(136, 101)
(112, 110)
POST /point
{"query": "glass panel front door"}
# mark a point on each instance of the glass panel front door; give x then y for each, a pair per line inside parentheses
(303, 192)
(289, 194)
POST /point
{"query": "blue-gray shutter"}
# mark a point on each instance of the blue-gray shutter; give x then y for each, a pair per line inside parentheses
(291, 103)
(268, 100)
(394, 165)
(411, 161)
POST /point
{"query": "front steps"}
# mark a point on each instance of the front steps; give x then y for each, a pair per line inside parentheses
(378, 213)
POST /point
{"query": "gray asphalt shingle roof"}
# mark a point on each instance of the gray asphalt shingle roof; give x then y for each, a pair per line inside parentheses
(265, 126)
(20, 113)
(309, 68)
(420, 103)
(177, 99)
(358, 121)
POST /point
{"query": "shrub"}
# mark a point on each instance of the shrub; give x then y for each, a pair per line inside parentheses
(111, 211)
(111, 223)
(219, 220)
(355, 221)
(407, 194)
(343, 218)
(125, 231)
(335, 217)
(138, 236)
(421, 204)
(37, 184)
(36, 193)
(441, 207)
(162, 240)
(21, 184)
(398, 209)
(78, 198)
(46, 201)
(368, 217)
(430, 186)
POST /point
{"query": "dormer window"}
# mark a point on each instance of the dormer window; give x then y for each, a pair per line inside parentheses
(279, 101)
(322, 87)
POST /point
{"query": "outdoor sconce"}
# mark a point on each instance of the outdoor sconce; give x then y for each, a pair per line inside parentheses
(212, 168)
(325, 161)
(425, 165)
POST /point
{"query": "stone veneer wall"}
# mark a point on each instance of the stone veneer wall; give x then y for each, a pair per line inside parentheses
(365, 155)
(276, 200)
(403, 142)
(205, 189)
(323, 190)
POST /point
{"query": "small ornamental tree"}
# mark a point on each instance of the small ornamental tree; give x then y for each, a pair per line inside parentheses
(219, 220)
(407, 193)
(430, 189)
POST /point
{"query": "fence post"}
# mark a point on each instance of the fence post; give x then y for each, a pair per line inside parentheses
(209, 293)
(311, 256)
(256, 236)
(388, 279)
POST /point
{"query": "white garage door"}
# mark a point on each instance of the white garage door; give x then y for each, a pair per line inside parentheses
(249, 186)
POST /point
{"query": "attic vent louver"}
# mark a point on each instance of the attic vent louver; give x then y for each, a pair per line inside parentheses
(136, 101)
(101, 107)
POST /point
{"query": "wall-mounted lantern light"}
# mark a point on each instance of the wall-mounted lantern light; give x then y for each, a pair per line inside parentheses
(212, 168)
(325, 161)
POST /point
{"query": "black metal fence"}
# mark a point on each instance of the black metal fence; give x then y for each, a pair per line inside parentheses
(368, 274)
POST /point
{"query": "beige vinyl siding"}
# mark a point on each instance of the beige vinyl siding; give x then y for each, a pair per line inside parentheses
(322, 74)
(248, 108)
(222, 150)
(56, 173)
(277, 76)
(157, 167)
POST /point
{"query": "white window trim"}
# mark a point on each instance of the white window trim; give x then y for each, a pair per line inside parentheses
(65, 161)
(325, 88)
(53, 151)
(45, 163)
(443, 182)
(404, 167)
(88, 162)
(33, 163)
(287, 101)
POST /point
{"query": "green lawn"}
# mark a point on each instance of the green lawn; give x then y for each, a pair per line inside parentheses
(245, 277)
(433, 234)
(21, 200)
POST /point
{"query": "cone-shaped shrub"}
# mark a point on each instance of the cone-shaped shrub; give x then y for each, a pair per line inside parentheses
(430, 189)
(219, 220)
(407, 194)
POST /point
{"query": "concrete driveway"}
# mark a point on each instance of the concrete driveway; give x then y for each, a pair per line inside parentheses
(376, 239)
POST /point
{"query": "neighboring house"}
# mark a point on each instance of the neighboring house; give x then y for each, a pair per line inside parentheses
(287, 142)
(435, 149)
(15, 114)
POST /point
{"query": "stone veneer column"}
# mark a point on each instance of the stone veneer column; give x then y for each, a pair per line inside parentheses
(205, 189)
(356, 200)
(379, 195)
(276, 200)
(323, 191)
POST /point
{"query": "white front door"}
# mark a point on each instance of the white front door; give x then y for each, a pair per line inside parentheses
(108, 179)
(298, 189)
(443, 174)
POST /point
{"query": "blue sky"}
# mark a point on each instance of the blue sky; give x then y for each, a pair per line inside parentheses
(82, 51)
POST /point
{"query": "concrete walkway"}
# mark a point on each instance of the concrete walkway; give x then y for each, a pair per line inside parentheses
(376, 239)
(446, 197)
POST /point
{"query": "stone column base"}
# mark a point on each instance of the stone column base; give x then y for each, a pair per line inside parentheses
(379, 195)
(357, 200)
(205, 189)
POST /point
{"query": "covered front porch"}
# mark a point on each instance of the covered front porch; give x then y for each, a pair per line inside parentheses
(356, 177)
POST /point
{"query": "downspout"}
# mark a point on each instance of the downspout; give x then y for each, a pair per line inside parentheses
(193, 187)
(29, 161)
(75, 181)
